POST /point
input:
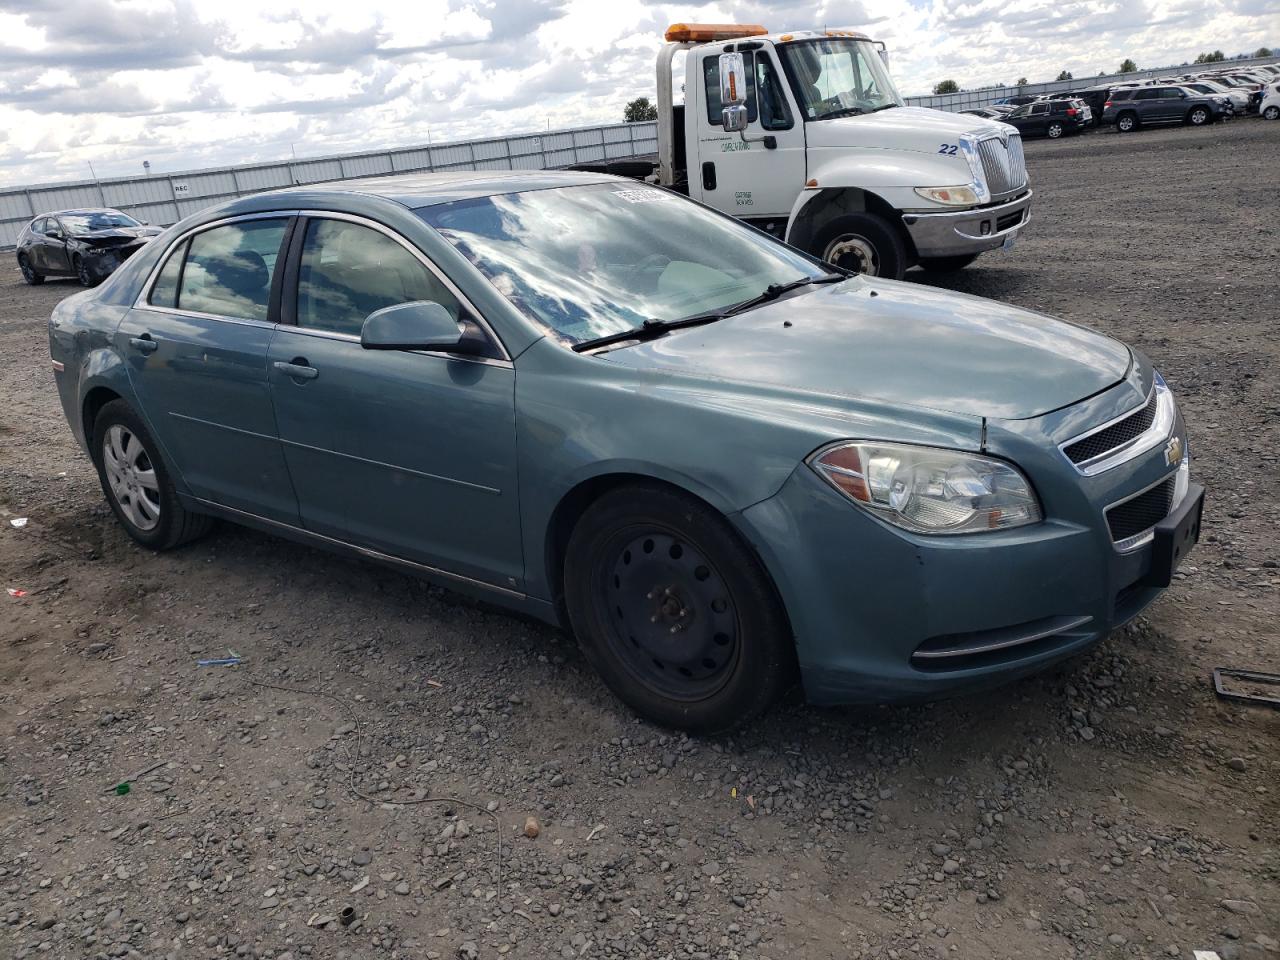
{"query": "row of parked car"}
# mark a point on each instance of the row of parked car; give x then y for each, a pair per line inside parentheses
(1195, 99)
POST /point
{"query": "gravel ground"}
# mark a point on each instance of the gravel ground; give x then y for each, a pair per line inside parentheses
(1113, 808)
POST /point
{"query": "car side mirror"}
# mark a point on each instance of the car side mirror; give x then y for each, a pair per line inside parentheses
(418, 325)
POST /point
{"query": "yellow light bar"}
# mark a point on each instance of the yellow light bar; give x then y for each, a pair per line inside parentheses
(702, 32)
(847, 33)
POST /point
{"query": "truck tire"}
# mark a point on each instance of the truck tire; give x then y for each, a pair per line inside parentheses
(864, 243)
(947, 264)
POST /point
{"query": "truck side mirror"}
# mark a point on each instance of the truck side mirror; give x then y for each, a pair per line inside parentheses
(733, 80)
(884, 53)
(734, 119)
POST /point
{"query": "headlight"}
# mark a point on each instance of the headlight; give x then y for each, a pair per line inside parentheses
(927, 489)
(964, 196)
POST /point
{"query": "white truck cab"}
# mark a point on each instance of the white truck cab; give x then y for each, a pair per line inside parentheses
(816, 146)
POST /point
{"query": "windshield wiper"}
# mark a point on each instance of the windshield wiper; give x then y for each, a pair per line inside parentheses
(844, 112)
(652, 329)
(885, 106)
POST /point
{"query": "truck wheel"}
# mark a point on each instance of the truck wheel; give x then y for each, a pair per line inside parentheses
(1198, 117)
(947, 264)
(1126, 122)
(864, 243)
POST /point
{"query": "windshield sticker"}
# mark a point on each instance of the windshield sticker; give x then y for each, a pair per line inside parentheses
(641, 196)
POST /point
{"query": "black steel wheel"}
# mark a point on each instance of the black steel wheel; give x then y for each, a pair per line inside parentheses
(28, 274)
(674, 611)
(863, 243)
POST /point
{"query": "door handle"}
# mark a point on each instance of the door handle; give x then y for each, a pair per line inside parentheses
(708, 175)
(144, 344)
(298, 368)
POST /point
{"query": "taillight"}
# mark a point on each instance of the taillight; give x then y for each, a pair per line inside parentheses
(1107, 104)
(1071, 111)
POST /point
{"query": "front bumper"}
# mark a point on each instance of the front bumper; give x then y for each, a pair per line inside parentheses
(882, 615)
(967, 231)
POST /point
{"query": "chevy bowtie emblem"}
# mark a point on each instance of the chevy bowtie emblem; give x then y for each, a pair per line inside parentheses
(1173, 451)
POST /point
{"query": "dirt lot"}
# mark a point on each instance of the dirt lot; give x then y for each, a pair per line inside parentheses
(1113, 808)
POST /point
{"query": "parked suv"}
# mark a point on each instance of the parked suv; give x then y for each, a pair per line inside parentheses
(1050, 118)
(1130, 109)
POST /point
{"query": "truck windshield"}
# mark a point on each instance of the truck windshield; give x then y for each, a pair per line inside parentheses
(833, 77)
(588, 261)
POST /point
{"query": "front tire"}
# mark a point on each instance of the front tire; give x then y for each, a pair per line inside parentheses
(1271, 113)
(1198, 116)
(863, 243)
(1126, 123)
(83, 273)
(674, 611)
(947, 264)
(137, 483)
(28, 274)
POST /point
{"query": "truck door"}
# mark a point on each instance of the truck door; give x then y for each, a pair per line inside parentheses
(748, 179)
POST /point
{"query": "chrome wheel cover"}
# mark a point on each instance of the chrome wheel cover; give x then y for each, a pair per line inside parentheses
(853, 253)
(131, 475)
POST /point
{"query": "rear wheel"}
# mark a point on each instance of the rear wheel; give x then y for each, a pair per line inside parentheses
(28, 274)
(137, 483)
(1127, 122)
(862, 243)
(1054, 130)
(1198, 116)
(947, 264)
(674, 611)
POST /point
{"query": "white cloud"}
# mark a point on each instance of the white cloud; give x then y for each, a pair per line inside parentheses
(188, 84)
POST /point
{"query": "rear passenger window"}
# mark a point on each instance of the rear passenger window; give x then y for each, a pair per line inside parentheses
(228, 269)
(348, 271)
(165, 291)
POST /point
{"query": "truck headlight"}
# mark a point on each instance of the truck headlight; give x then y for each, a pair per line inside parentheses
(928, 489)
(964, 196)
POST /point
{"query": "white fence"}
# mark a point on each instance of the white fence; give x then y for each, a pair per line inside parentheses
(167, 198)
(969, 99)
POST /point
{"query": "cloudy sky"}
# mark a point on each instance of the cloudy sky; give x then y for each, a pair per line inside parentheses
(197, 84)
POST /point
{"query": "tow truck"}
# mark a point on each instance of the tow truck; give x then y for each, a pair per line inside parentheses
(804, 135)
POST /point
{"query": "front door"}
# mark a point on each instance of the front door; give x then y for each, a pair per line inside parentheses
(197, 353)
(408, 453)
(747, 178)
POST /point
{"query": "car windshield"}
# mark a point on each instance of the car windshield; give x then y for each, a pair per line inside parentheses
(589, 261)
(834, 77)
(79, 223)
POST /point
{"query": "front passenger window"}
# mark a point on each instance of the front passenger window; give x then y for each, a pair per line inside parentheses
(349, 270)
(228, 269)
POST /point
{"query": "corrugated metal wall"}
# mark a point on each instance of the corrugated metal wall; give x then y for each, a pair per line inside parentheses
(969, 99)
(166, 198)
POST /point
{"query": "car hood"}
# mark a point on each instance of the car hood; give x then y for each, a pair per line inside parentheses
(899, 343)
(902, 128)
(118, 235)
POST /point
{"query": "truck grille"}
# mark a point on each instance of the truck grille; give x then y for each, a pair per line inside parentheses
(1116, 435)
(1004, 166)
(1142, 512)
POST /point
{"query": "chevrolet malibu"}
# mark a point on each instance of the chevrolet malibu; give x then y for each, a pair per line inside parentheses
(719, 464)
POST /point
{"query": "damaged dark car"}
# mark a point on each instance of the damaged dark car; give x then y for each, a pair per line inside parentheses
(85, 244)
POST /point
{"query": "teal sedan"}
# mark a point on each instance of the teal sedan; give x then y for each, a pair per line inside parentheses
(724, 466)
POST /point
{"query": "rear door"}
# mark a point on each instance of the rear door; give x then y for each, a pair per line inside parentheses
(1147, 103)
(196, 343)
(410, 454)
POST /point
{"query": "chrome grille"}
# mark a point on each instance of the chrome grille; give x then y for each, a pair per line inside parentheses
(1004, 166)
(1116, 435)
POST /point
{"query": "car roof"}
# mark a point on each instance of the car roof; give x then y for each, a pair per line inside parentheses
(77, 211)
(415, 190)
